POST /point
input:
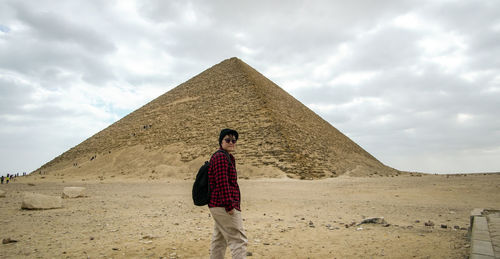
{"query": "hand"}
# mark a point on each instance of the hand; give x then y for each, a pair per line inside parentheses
(231, 212)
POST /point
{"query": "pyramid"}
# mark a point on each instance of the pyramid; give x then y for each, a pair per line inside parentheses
(172, 135)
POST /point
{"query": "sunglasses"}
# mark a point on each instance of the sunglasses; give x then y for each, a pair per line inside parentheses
(230, 140)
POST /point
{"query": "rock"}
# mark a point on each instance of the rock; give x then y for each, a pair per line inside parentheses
(311, 224)
(373, 221)
(330, 227)
(8, 241)
(2, 194)
(444, 226)
(350, 224)
(249, 254)
(35, 201)
(73, 192)
(429, 223)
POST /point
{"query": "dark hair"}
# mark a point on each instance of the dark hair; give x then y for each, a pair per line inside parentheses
(226, 132)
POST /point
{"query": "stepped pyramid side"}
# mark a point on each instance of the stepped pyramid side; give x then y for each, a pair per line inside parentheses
(275, 130)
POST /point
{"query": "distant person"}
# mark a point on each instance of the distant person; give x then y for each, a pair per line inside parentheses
(225, 198)
(7, 179)
(2, 179)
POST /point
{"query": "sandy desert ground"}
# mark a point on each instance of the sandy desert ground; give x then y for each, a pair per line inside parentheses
(283, 218)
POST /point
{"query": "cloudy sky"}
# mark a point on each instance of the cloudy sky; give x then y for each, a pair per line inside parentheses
(415, 83)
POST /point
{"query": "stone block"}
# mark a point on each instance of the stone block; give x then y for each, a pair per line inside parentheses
(493, 220)
(35, 201)
(476, 256)
(73, 192)
(482, 248)
(480, 223)
(480, 235)
(475, 212)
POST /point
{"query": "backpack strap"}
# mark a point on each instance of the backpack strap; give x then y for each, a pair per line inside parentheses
(225, 153)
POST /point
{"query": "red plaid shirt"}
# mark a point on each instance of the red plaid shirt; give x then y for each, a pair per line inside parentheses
(224, 189)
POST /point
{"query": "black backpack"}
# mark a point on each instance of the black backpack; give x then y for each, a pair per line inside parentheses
(201, 187)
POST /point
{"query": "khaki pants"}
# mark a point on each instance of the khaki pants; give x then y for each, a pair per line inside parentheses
(228, 231)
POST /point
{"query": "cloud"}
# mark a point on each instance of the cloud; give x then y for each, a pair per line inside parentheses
(415, 84)
(58, 28)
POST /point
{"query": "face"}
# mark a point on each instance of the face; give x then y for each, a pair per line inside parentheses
(231, 146)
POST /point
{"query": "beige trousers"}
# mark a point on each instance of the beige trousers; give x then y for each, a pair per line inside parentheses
(228, 231)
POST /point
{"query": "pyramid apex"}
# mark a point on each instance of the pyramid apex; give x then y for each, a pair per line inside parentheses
(233, 60)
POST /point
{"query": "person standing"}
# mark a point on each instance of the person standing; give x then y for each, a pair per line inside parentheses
(224, 204)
